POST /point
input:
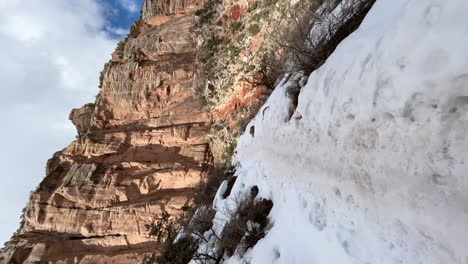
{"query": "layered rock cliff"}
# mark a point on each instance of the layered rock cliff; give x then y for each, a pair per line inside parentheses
(141, 149)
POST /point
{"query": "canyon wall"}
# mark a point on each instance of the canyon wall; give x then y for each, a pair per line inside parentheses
(141, 148)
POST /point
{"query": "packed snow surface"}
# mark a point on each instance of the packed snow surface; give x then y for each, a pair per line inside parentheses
(371, 167)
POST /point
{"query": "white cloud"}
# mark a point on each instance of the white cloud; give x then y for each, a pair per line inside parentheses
(130, 5)
(50, 58)
(121, 32)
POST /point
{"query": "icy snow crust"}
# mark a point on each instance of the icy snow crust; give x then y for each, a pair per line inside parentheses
(372, 167)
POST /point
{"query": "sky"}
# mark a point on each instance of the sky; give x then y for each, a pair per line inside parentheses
(51, 54)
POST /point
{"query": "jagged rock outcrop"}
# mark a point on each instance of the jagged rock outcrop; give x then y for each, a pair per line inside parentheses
(153, 8)
(141, 149)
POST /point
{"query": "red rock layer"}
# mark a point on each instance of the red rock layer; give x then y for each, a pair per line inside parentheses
(141, 149)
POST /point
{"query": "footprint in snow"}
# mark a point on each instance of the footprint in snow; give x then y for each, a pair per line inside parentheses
(317, 217)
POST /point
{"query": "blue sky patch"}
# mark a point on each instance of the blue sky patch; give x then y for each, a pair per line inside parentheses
(121, 14)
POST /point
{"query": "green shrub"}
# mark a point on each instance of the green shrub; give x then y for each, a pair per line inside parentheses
(234, 52)
(175, 252)
(200, 12)
(206, 18)
(252, 7)
(238, 233)
(207, 13)
(101, 79)
(267, 3)
(164, 229)
(213, 43)
(249, 68)
(257, 17)
(236, 27)
(254, 29)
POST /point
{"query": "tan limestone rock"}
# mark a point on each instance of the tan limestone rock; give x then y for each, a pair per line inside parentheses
(141, 149)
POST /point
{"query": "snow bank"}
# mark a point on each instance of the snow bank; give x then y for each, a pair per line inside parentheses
(371, 168)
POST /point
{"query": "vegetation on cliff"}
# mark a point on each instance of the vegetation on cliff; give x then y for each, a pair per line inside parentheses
(248, 52)
(245, 50)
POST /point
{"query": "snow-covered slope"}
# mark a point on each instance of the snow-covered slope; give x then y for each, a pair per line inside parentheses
(372, 167)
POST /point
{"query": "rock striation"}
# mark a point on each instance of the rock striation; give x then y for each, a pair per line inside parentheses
(153, 8)
(141, 149)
